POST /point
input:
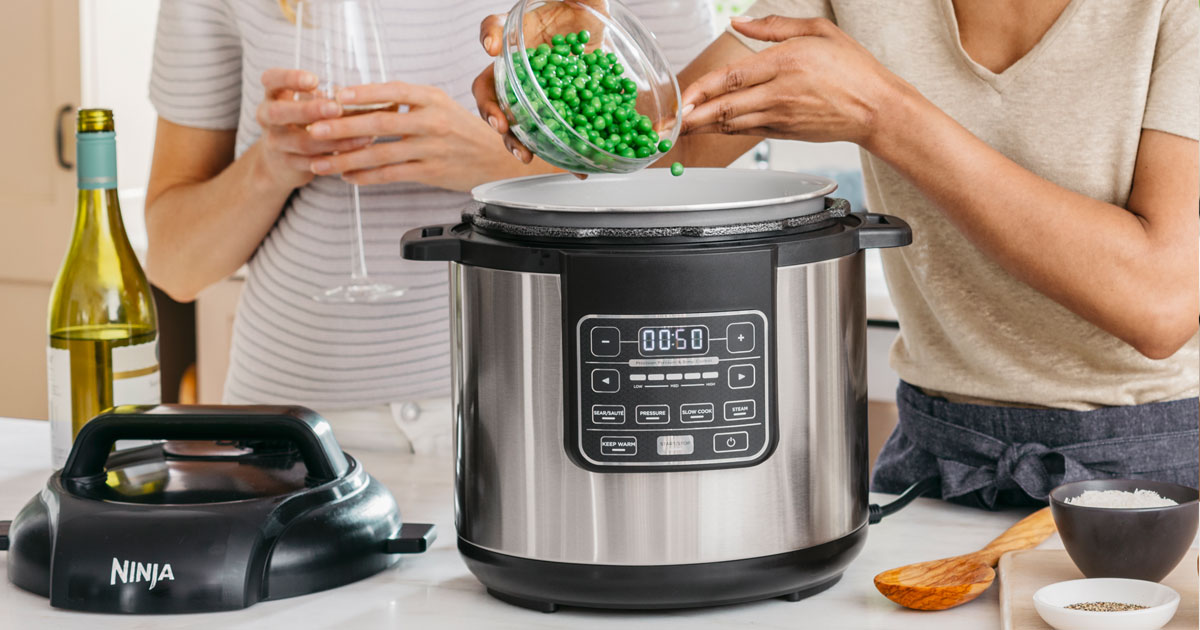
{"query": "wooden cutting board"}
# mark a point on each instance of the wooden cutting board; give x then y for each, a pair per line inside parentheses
(1023, 572)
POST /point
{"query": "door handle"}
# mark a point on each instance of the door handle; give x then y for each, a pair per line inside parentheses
(59, 140)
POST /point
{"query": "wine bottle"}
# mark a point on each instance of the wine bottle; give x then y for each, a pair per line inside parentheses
(103, 327)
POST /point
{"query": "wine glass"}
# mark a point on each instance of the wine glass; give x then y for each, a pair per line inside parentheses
(339, 42)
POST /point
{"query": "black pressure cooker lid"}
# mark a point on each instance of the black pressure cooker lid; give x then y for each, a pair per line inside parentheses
(654, 199)
(259, 503)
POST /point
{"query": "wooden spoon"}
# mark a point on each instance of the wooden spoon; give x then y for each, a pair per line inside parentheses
(946, 583)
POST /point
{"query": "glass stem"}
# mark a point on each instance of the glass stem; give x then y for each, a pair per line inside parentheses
(358, 262)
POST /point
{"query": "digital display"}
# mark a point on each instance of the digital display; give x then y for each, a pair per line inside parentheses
(672, 340)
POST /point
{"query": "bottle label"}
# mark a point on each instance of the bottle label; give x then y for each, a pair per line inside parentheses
(96, 160)
(136, 380)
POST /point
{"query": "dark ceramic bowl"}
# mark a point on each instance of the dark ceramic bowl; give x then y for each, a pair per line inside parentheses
(1138, 543)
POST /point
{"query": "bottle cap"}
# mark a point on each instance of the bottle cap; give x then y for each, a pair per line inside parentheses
(94, 120)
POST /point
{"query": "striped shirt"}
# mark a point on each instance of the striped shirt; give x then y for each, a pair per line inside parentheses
(209, 56)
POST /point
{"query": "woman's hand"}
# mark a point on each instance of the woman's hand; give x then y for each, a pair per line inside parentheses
(540, 25)
(440, 143)
(817, 85)
(286, 147)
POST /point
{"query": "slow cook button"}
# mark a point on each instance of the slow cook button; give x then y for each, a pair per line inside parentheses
(653, 414)
(731, 442)
(675, 445)
(618, 445)
(608, 414)
(739, 410)
(696, 412)
(606, 381)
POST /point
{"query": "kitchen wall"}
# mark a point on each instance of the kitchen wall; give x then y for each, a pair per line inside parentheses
(116, 48)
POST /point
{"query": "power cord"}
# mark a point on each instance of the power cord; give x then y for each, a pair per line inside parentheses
(876, 512)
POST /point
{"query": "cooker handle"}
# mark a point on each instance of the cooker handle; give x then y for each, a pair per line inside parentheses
(882, 230)
(412, 538)
(303, 427)
(434, 242)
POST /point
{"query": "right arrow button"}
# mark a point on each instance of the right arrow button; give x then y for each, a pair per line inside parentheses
(741, 376)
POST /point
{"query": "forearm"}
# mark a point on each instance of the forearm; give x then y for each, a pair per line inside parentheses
(202, 232)
(1133, 277)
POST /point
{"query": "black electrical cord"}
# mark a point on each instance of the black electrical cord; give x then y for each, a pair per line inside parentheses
(876, 512)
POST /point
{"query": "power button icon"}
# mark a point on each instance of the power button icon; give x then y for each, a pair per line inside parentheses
(731, 442)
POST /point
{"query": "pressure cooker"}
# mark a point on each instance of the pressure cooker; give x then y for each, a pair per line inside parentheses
(659, 385)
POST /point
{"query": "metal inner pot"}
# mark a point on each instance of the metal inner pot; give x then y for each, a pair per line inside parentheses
(655, 199)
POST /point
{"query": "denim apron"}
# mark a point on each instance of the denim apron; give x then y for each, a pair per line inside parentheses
(988, 456)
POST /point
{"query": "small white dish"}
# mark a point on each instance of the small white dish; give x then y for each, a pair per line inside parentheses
(1161, 602)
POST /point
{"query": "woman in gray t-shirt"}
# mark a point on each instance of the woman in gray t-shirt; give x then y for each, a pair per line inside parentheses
(237, 180)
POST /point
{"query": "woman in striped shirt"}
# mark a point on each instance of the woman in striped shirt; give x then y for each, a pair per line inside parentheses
(243, 175)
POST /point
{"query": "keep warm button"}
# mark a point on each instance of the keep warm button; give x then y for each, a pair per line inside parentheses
(618, 445)
(731, 442)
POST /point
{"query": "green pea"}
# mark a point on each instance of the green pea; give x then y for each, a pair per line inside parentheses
(587, 109)
(571, 38)
(610, 83)
(593, 85)
(643, 152)
(542, 82)
(571, 70)
(628, 85)
(584, 36)
(539, 62)
(562, 49)
(557, 59)
(677, 169)
(554, 91)
(627, 138)
(622, 114)
(644, 124)
(616, 69)
(641, 140)
(586, 95)
(664, 145)
(558, 39)
(594, 136)
(555, 82)
(570, 92)
(577, 48)
(626, 152)
(627, 125)
(543, 49)
(599, 124)
(611, 58)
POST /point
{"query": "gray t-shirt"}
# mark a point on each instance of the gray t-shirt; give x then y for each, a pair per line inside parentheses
(208, 58)
(1072, 110)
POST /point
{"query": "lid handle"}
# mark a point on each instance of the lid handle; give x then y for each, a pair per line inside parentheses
(303, 427)
(883, 230)
(434, 242)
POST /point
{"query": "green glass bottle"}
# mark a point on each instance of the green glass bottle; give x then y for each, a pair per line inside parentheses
(103, 328)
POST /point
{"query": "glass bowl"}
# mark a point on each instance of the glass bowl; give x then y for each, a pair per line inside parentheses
(613, 29)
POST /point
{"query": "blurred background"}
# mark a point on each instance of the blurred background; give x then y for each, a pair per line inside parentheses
(64, 54)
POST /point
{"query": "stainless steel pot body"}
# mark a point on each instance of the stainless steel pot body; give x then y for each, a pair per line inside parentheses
(518, 493)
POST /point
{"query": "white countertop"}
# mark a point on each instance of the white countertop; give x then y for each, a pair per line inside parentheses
(435, 589)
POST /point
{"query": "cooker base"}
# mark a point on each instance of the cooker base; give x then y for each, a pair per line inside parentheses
(544, 586)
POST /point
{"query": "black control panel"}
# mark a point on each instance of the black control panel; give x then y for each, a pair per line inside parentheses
(673, 390)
